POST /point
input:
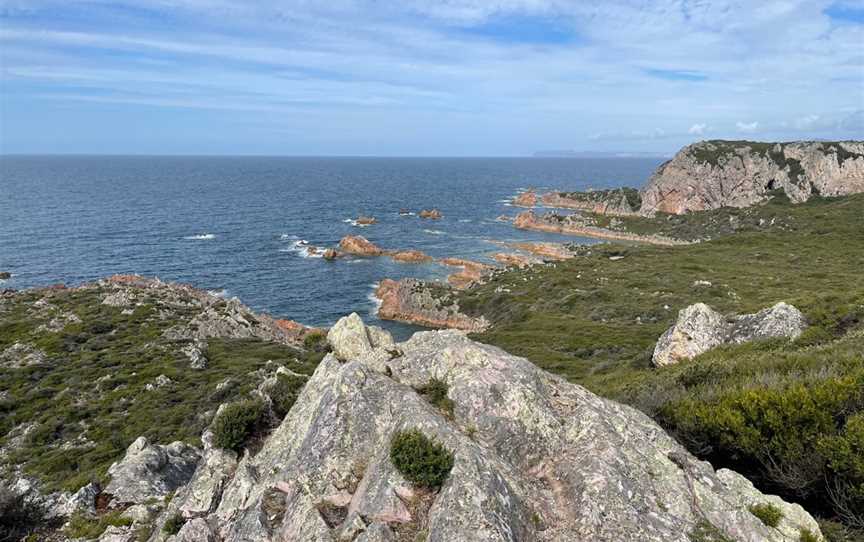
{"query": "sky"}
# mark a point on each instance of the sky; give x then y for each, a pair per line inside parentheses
(424, 77)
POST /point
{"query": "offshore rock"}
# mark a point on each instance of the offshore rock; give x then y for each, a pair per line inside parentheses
(424, 304)
(700, 328)
(713, 174)
(535, 458)
(150, 471)
(433, 214)
(526, 199)
(410, 256)
(359, 246)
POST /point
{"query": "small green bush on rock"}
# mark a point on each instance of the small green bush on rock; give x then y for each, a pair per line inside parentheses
(419, 459)
(236, 423)
(173, 524)
(284, 394)
(435, 391)
(807, 535)
(767, 513)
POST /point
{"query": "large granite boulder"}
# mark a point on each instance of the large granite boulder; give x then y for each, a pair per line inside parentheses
(700, 328)
(150, 471)
(535, 459)
(713, 174)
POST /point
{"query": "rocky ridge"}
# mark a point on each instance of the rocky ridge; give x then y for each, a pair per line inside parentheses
(700, 328)
(535, 459)
(713, 174)
(425, 304)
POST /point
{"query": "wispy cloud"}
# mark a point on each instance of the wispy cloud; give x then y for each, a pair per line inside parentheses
(464, 76)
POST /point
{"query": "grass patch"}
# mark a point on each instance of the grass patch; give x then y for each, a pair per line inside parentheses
(422, 461)
(83, 526)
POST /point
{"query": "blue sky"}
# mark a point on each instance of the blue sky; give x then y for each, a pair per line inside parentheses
(423, 77)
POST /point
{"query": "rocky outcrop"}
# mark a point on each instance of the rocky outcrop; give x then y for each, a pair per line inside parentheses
(21, 355)
(424, 304)
(359, 246)
(366, 220)
(535, 458)
(470, 272)
(350, 338)
(526, 199)
(410, 256)
(5, 275)
(700, 328)
(433, 214)
(713, 174)
(513, 259)
(546, 251)
(575, 224)
(150, 471)
(614, 202)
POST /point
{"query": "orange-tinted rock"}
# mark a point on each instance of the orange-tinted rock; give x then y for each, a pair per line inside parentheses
(330, 254)
(513, 259)
(577, 225)
(366, 220)
(410, 256)
(470, 272)
(526, 199)
(434, 214)
(359, 246)
(547, 251)
(417, 302)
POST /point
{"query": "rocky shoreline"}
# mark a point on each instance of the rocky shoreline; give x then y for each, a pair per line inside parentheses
(581, 226)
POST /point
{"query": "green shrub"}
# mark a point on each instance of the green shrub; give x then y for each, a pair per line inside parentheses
(314, 340)
(18, 517)
(421, 460)
(236, 423)
(705, 531)
(807, 535)
(284, 394)
(435, 391)
(767, 513)
(173, 524)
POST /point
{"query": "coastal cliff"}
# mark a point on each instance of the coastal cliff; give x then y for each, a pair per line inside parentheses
(712, 174)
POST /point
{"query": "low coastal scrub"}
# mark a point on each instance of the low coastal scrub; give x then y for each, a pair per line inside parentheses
(173, 524)
(87, 527)
(74, 413)
(19, 518)
(786, 414)
(236, 423)
(422, 461)
(284, 394)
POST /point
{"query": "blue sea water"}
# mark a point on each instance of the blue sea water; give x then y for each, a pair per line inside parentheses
(237, 224)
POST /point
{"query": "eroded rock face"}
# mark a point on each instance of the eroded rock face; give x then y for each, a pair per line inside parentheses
(535, 459)
(150, 471)
(417, 302)
(526, 199)
(713, 174)
(700, 328)
(612, 202)
(470, 272)
(351, 339)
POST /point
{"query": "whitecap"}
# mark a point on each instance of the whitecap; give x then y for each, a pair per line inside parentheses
(200, 237)
(434, 232)
(286, 236)
(465, 220)
(222, 292)
(376, 303)
(302, 248)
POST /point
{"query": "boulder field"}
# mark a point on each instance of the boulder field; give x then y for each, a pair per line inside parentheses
(534, 458)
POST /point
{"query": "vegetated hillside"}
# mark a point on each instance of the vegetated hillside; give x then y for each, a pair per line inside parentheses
(789, 414)
(86, 371)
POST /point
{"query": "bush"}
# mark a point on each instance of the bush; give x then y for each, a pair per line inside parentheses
(807, 535)
(421, 461)
(435, 391)
(83, 526)
(284, 394)
(767, 513)
(18, 517)
(314, 341)
(173, 524)
(236, 423)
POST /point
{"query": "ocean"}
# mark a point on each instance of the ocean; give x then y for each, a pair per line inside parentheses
(240, 225)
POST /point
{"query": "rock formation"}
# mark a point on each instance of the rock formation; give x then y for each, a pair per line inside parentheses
(615, 202)
(575, 224)
(713, 174)
(535, 458)
(514, 259)
(359, 246)
(366, 220)
(5, 275)
(410, 256)
(700, 328)
(546, 251)
(150, 471)
(424, 304)
(525, 199)
(470, 272)
(433, 214)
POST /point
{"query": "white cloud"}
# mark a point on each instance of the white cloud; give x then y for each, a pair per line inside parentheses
(747, 127)
(697, 129)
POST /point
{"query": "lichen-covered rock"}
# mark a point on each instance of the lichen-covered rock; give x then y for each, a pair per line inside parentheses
(21, 355)
(700, 328)
(535, 458)
(150, 471)
(713, 174)
(195, 352)
(350, 338)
